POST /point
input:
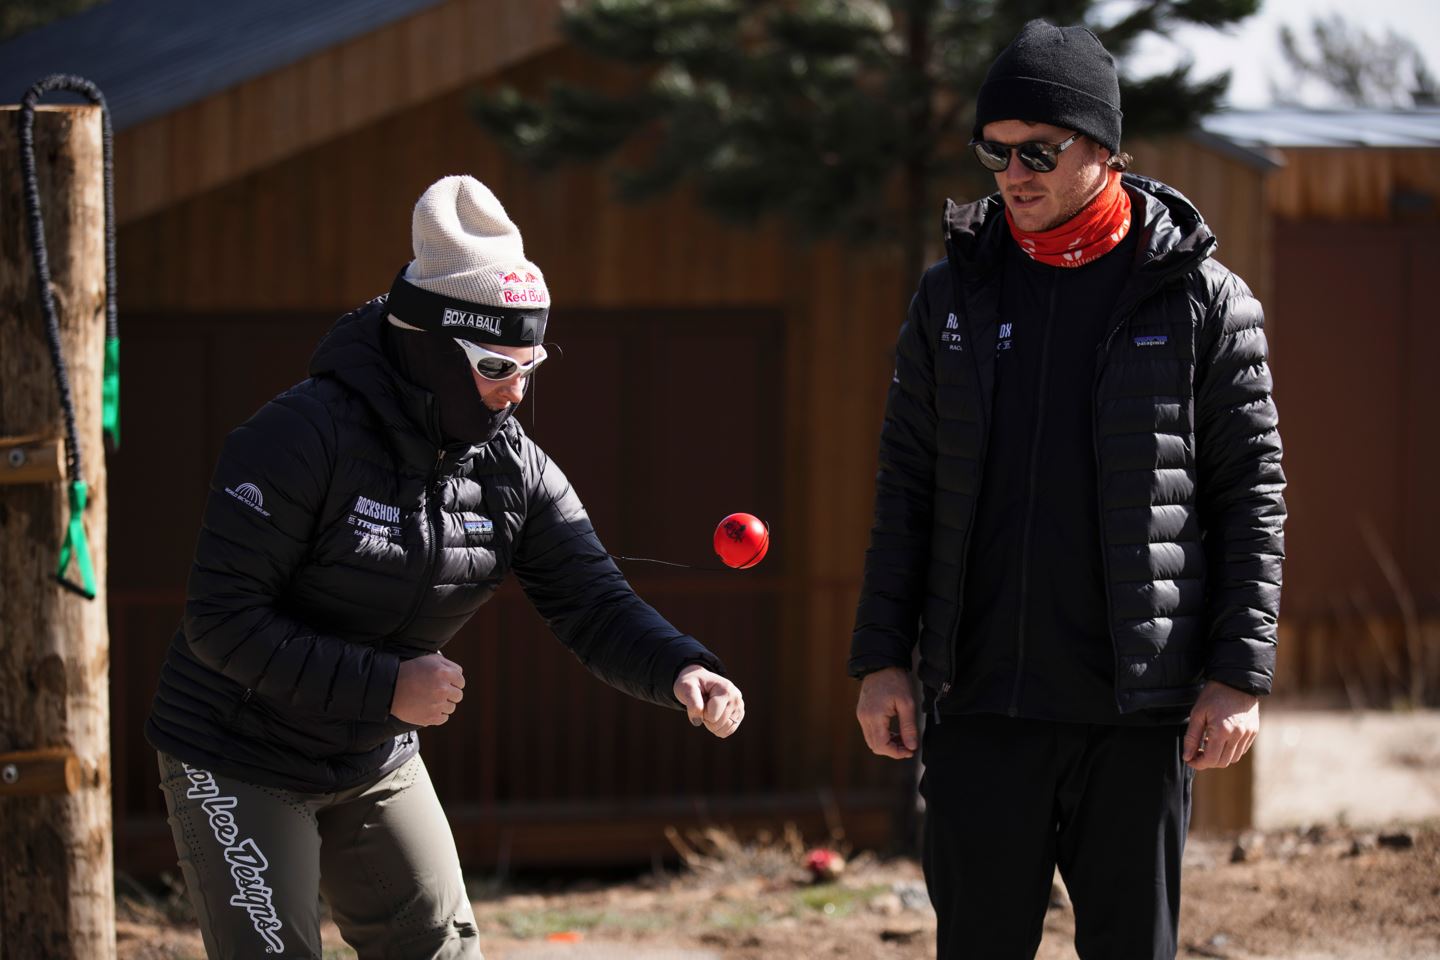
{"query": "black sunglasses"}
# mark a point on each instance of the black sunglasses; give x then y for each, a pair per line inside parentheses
(1036, 154)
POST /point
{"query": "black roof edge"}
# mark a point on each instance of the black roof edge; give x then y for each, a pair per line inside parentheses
(1257, 157)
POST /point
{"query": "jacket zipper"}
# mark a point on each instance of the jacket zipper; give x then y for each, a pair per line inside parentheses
(1104, 353)
(974, 503)
(430, 552)
(1026, 532)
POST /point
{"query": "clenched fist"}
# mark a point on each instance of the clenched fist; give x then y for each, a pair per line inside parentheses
(710, 699)
(427, 690)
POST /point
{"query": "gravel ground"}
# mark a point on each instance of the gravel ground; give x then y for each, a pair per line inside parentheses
(1345, 866)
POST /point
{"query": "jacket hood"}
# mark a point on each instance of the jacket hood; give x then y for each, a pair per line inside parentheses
(353, 353)
(1174, 237)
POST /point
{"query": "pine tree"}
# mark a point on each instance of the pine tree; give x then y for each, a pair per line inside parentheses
(21, 16)
(842, 116)
(1355, 67)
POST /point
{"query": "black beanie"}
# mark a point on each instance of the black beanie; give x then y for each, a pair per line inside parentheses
(1062, 76)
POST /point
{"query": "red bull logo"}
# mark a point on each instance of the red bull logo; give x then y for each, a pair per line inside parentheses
(522, 288)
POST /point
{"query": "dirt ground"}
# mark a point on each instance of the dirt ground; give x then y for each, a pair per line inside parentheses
(1343, 879)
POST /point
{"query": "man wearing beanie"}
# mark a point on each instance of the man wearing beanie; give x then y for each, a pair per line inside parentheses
(354, 524)
(1078, 520)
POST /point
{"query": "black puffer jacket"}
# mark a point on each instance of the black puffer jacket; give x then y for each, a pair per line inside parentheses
(1187, 456)
(339, 539)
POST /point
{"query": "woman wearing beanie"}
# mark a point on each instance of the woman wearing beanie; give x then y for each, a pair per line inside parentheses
(354, 524)
(1079, 520)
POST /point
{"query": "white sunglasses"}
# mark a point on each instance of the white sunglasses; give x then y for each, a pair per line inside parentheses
(497, 366)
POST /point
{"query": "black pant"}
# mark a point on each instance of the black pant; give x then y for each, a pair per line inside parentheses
(1007, 799)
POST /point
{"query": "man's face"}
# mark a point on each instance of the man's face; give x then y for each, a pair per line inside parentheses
(1043, 201)
(499, 394)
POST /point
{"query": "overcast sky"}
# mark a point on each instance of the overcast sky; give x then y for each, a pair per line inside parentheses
(1252, 52)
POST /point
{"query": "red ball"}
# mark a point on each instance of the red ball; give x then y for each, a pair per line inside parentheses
(741, 540)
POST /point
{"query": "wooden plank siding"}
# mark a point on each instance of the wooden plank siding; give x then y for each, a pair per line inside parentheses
(1325, 184)
(273, 254)
(1354, 245)
(1229, 194)
(1357, 387)
(262, 121)
(745, 361)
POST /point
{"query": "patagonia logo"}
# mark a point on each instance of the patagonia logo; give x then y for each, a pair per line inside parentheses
(1155, 341)
(481, 527)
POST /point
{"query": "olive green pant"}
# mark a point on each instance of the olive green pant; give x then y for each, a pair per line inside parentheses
(256, 859)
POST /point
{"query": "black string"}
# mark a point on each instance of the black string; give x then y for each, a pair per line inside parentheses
(36, 223)
(667, 563)
(531, 393)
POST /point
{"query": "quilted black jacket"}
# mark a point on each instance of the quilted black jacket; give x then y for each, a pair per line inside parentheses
(340, 538)
(1187, 456)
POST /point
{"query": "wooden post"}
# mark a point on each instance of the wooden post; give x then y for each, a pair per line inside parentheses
(56, 862)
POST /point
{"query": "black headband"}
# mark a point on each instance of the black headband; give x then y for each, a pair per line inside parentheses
(438, 313)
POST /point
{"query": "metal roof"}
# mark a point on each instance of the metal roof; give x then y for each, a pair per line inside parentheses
(150, 57)
(1302, 127)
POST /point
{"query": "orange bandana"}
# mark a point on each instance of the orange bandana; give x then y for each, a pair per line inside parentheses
(1085, 237)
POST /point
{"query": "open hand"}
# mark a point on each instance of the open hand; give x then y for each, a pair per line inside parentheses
(1223, 725)
(887, 695)
(427, 690)
(710, 699)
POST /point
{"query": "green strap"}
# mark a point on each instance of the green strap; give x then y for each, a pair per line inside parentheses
(75, 538)
(110, 393)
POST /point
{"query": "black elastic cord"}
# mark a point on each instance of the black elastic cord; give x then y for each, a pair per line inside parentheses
(36, 224)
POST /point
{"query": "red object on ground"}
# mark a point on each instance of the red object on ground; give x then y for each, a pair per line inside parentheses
(741, 540)
(565, 936)
(824, 864)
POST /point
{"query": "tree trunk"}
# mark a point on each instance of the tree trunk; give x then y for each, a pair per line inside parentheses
(56, 870)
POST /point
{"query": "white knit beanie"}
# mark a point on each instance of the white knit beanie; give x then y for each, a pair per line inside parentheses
(469, 256)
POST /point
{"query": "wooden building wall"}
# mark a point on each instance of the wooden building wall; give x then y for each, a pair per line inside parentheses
(1371, 185)
(1360, 400)
(1355, 247)
(743, 369)
(1228, 192)
(1336, 243)
(756, 368)
(332, 92)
